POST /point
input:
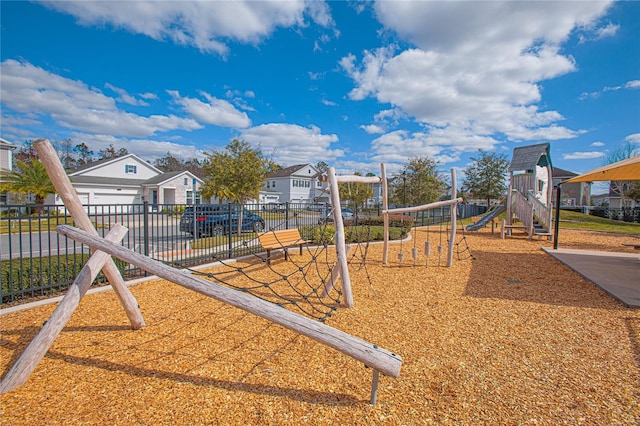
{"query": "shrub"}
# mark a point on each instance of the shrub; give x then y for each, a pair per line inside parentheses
(43, 275)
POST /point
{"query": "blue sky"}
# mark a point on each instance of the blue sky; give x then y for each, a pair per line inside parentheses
(353, 84)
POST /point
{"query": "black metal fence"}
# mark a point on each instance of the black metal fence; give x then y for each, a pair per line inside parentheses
(36, 261)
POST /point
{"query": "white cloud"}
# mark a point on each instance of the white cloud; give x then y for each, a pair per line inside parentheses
(292, 144)
(633, 84)
(216, 111)
(634, 138)
(207, 25)
(148, 149)
(73, 104)
(442, 144)
(372, 129)
(126, 97)
(475, 65)
(597, 144)
(583, 155)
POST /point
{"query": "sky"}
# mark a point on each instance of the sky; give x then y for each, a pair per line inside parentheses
(353, 84)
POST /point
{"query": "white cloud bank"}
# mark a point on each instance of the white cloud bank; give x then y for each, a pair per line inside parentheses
(475, 70)
(207, 25)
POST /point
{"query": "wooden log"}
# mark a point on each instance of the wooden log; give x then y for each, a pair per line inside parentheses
(453, 211)
(423, 207)
(72, 202)
(357, 179)
(340, 244)
(371, 355)
(335, 276)
(29, 359)
(385, 218)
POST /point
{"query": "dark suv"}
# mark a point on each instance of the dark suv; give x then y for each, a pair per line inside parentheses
(214, 220)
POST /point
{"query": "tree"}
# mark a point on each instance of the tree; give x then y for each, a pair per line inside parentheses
(627, 190)
(322, 167)
(485, 176)
(169, 163)
(26, 153)
(65, 151)
(111, 152)
(357, 193)
(236, 173)
(419, 183)
(84, 154)
(28, 178)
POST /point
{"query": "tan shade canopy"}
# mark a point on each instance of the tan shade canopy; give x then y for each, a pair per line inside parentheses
(628, 169)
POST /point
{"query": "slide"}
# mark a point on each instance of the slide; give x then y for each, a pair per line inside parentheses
(486, 218)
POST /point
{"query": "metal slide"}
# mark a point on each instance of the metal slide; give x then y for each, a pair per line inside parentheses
(486, 218)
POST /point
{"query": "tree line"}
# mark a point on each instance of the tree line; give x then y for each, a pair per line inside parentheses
(237, 172)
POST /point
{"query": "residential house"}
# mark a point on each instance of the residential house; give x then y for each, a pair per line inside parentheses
(300, 183)
(572, 194)
(616, 200)
(6, 164)
(128, 180)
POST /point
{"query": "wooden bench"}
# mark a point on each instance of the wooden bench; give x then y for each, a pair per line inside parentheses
(281, 239)
(635, 246)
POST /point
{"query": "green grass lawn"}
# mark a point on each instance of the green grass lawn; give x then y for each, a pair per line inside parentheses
(575, 220)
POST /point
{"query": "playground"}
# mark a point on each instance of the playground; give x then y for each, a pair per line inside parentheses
(511, 337)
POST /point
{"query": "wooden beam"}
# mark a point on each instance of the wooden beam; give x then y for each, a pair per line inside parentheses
(453, 211)
(371, 355)
(341, 254)
(358, 179)
(423, 207)
(29, 359)
(68, 194)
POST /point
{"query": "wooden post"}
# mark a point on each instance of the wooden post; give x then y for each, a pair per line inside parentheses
(24, 366)
(453, 211)
(385, 206)
(72, 202)
(371, 355)
(335, 275)
(340, 244)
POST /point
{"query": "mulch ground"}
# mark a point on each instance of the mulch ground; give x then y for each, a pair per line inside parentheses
(511, 337)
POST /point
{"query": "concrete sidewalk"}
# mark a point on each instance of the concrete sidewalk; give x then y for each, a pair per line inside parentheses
(618, 274)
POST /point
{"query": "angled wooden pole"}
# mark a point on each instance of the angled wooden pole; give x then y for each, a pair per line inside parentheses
(341, 251)
(453, 212)
(370, 354)
(29, 359)
(61, 182)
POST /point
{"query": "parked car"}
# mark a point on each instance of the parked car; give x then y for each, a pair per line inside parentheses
(327, 216)
(275, 207)
(214, 220)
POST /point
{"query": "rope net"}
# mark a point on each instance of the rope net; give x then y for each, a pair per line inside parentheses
(307, 283)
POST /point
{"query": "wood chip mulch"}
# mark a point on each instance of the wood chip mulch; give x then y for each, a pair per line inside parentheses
(511, 337)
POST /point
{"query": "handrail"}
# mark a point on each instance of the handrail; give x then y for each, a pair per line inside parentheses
(541, 211)
(523, 210)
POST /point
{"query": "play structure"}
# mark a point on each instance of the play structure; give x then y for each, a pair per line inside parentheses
(380, 360)
(528, 203)
(425, 207)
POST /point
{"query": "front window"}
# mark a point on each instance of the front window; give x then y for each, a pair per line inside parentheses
(190, 197)
(130, 169)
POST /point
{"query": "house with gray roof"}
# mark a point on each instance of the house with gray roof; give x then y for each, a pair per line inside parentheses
(128, 180)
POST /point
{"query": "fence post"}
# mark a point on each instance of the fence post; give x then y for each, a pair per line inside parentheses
(230, 233)
(286, 215)
(145, 230)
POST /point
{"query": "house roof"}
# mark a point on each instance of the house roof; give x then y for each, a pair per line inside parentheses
(99, 163)
(157, 180)
(288, 171)
(6, 144)
(528, 157)
(561, 173)
(99, 180)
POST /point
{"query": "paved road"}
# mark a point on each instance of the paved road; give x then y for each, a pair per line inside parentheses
(164, 236)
